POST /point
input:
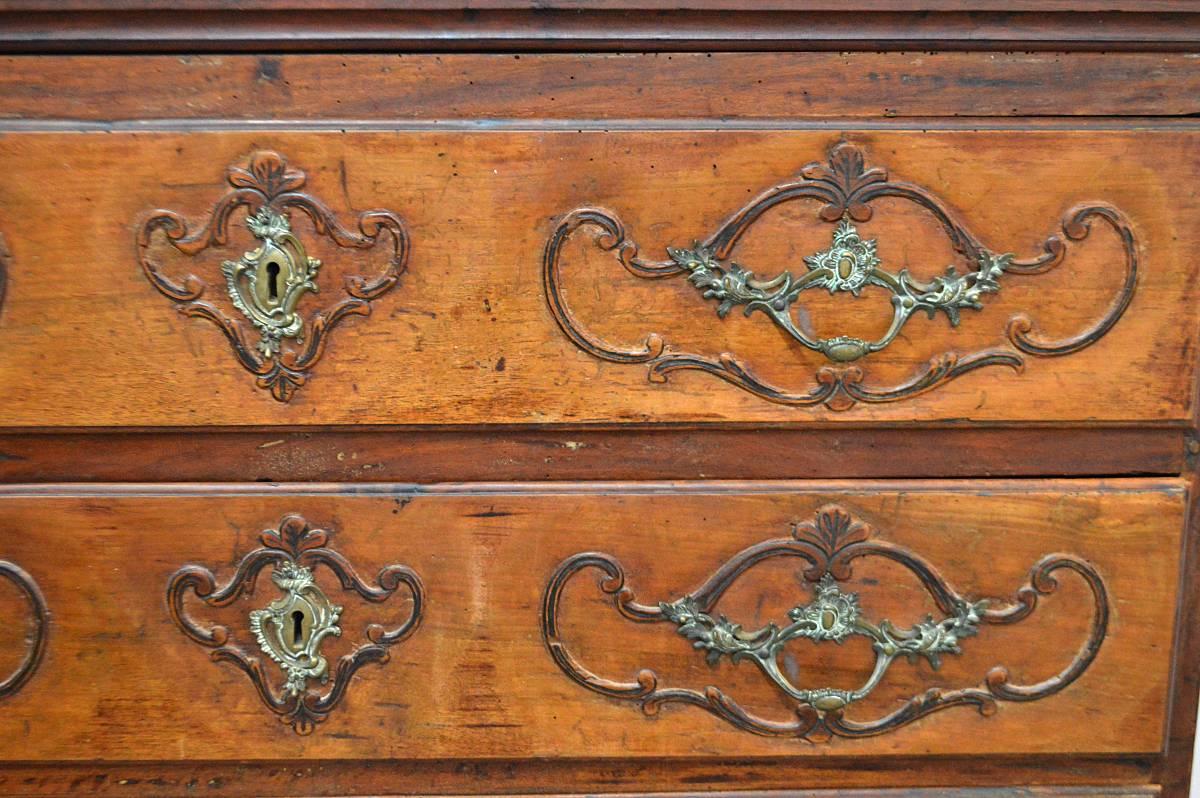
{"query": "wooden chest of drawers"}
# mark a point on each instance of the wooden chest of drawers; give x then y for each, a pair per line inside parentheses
(525, 398)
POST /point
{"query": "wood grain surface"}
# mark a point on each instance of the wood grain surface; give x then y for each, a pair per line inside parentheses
(615, 87)
(476, 682)
(467, 336)
(636, 452)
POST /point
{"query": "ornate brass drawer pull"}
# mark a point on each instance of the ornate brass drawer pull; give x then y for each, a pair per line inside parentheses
(291, 629)
(267, 284)
(40, 614)
(829, 544)
(845, 190)
(849, 264)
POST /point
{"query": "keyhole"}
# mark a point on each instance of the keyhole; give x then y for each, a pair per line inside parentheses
(273, 280)
(297, 627)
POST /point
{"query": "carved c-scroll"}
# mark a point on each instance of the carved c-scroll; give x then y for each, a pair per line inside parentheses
(294, 550)
(40, 613)
(829, 545)
(845, 190)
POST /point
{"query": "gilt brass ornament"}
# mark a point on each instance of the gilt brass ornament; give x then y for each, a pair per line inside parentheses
(832, 616)
(290, 631)
(849, 264)
(268, 283)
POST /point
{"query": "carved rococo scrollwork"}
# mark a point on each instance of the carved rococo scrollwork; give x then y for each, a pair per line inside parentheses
(266, 284)
(829, 545)
(291, 629)
(845, 190)
(36, 641)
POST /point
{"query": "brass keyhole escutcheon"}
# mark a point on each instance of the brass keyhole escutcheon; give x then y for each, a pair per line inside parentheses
(267, 284)
(291, 629)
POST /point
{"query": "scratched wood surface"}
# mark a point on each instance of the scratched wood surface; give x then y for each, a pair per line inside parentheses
(552, 87)
(476, 681)
(523, 453)
(467, 336)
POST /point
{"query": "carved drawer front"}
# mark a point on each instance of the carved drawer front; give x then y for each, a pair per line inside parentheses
(538, 277)
(642, 621)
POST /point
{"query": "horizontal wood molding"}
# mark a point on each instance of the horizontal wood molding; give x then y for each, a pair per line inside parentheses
(844, 6)
(1111, 778)
(305, 27)
(1173, 487)
(424, 456)
(691, 87)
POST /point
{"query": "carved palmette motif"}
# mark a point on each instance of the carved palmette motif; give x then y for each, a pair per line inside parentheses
(829, 545)
(39, 615)
(844, 190)
(268, 285)
(291, 629)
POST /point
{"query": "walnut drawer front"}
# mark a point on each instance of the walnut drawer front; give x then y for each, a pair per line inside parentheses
(638, 622)
(529, 277)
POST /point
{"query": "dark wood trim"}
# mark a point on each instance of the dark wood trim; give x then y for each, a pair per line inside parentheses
(608, 488)
(835, 124)
(843, 6)
(1185, 678)
(451, 777)
(305, 28)
(421, 456)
